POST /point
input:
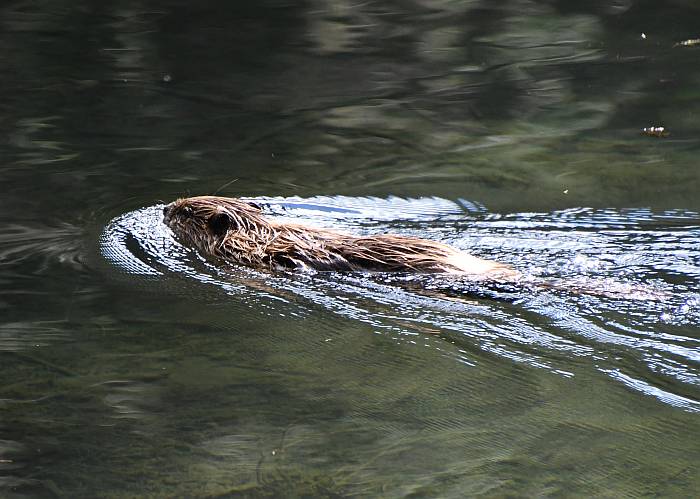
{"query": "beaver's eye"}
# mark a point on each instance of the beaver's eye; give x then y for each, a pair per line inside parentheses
(186, 211)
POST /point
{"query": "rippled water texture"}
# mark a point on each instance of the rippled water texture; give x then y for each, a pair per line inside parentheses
(630, 332)
(131, 367)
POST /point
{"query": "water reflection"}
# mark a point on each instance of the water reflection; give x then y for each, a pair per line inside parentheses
(474, 99)
(168, 376)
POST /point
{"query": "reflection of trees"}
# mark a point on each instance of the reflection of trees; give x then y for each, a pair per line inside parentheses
(386, 90)
(118, 104)
(466, 91)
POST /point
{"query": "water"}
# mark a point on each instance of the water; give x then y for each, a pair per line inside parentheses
(131, 367)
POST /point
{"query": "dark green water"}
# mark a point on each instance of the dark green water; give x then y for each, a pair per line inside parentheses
(511, 129)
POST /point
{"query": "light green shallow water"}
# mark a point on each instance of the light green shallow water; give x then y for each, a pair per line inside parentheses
(131, 368)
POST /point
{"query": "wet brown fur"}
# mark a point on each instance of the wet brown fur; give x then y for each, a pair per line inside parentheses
(235, 231)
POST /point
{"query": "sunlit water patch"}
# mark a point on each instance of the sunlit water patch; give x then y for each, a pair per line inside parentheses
(613, 290)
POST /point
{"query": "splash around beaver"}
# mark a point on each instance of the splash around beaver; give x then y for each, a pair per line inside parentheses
(235, 231)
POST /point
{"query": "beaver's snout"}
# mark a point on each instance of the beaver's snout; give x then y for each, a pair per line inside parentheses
(167, 212)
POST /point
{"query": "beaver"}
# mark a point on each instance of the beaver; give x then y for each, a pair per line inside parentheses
(236, 231)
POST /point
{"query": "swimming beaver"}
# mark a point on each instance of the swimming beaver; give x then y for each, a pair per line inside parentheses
(235, 231)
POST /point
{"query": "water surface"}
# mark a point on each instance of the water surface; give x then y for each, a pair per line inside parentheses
(132, 367)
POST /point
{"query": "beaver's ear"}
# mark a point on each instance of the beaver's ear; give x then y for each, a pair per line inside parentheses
(219, 223)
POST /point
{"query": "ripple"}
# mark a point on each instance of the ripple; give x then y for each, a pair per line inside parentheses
(599, 286)
(59, 243)
(16, 336)
(647, 389)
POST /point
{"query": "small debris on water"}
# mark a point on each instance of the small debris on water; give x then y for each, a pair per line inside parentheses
(688, 43)
(566, 191)
(655, 131)
(644, 36)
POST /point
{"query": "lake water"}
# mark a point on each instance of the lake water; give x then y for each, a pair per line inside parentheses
(131, 367)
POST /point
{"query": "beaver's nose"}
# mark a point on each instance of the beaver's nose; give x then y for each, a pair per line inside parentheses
(166, 212)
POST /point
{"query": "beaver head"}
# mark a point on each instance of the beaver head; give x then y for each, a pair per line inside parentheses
(208, 222)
